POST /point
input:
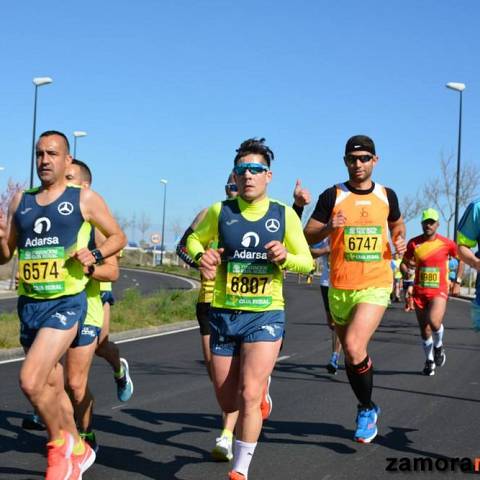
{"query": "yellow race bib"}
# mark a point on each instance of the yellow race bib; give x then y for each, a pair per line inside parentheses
(41, 269)
(362, 244)
(429, 277)
(249, 285)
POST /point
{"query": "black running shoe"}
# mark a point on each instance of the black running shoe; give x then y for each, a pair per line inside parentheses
(429, 368)
(33, 422)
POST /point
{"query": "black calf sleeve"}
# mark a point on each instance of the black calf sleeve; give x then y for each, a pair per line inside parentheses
(360, 377)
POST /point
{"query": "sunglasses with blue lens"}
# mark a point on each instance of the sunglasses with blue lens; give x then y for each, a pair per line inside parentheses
(253, 168)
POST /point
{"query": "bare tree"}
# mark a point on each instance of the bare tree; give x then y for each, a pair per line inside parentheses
(176, 228)
(144, 224)
(122, 221)
(439, 192)
(133, 225)
(410, 207)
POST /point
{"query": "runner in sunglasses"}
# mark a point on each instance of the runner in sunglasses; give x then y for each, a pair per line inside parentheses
(257, 239)
(357, 216)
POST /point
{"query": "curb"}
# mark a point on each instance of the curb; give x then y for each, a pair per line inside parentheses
(17, 353)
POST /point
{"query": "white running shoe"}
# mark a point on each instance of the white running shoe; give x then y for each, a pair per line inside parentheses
(223, 451)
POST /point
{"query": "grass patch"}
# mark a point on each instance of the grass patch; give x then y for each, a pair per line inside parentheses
(9, 330)
(132, 311)
(137, 311)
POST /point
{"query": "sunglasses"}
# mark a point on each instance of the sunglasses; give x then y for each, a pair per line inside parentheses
(232, 187)
(253, 168)
(352, 159)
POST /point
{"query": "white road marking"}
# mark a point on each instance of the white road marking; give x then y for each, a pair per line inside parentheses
(12, 360)
(193, 283)
(284, 357)
(127, 340)
(162, 334)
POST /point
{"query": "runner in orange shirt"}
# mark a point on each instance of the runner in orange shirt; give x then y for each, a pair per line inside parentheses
(357, 216)
(431, 252)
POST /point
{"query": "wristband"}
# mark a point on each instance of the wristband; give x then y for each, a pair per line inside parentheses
(97, 255)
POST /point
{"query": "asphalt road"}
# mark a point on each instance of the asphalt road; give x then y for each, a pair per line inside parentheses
(168, 428)
(146, 282)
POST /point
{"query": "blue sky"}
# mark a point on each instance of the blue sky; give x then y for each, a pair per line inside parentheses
(169, 89)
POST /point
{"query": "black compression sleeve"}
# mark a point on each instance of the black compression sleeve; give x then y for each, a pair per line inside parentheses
(182, 249)
(298, 210)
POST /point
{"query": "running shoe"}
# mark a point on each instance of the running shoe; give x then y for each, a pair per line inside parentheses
(266, 405)
(59, 459)
(33, 422)
(429, 368)
(89, 437)
(332, 366)
(439, 356)
(124, 383)
(223, 451)
(236, 476)
(81, 463)
(366, 424)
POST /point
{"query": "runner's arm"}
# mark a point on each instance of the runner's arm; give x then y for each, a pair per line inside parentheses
(319, 252)
(301, 197)
(299, 258)
(95, 211)
(468, 235)
(108, 270)
(320, 224)
(181, 249)
(398, 233)
(8, 231)
(204, 233)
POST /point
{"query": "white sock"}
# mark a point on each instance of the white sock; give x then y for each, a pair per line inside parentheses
(242, 456)
(438, 337)
(428, 348)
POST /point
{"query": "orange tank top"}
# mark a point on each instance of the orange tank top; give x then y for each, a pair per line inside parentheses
(360, 252)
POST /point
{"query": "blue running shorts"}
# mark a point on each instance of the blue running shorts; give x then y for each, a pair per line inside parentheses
(86, 335)
(230, 328)
(60, 313)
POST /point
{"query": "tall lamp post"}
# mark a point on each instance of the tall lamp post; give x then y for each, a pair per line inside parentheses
(38, 82)
(458, 87)
(76, 134)
(162, 247)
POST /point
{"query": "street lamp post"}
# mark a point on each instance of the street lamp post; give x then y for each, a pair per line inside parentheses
(76, 134)
(458, 87)
(162, 248)
(38, 82)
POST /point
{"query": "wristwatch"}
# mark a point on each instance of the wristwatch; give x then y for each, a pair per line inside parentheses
(97, 254)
